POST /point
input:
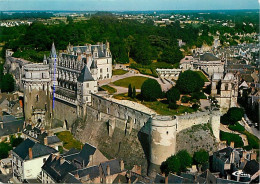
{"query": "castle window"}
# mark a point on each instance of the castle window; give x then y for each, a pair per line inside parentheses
(167, 132)
(37, 98)
(107, 69)
(226, 87)
(108, 110)
(45, 107)
(107, 59)
(42, 76)
(101, 70)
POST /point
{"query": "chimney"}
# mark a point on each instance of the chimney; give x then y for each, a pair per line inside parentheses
(53, 157)
(45, 141)
(244, 154)
(166, 180)
(30, 153)
(76, 176)
(122, 165)
(42, 130)
(62, 160)
(253, 156)
(232, 144)
(108, 170)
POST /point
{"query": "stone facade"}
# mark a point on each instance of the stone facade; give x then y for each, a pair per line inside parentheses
(63, 81)
(37, 94)
(225, 89)
(161, 130)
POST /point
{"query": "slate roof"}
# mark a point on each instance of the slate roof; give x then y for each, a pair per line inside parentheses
(56, 168)
(114, 165)
(69, 178)
(93, 172)
(81, 157)
(38, 150)
(85, 75)
(71, 151)
(10, 126)
(53, 139)
(208, 57)
(251, 167)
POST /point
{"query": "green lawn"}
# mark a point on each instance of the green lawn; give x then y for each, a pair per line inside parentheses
(159, 107)
(163, 109)
(109, 89)
(119, 72)
(136, 81)
(68, 140)
(202, 76)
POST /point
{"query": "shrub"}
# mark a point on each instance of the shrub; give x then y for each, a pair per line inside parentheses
(130, 92)
(151, 90)
(173, 105)
(185, 99)
(198, 95)
(195, 106)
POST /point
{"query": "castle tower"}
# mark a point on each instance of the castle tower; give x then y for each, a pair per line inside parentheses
(53, 62)
(37, 94)
(162, 138)
(86, 85)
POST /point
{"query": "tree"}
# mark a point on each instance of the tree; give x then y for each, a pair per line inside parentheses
(189, 81)
(173, 164)
(201, 157)
(235, 114)
(7, 84)
(151, 90)
(185, 159)
(173, 95)
(134, 92)
(4, 149)
(130, 91)
(171, 55)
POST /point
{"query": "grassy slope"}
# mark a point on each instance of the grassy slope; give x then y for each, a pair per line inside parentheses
(109, 89)
(119, 72)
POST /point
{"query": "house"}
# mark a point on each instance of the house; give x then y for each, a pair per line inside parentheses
(9, 125)
(231, 161)
(40, 135)
(28, 158)
(56, 168)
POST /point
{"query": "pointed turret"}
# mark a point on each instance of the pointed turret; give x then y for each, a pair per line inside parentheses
(85, 75)
(44, 60)
(53, 51)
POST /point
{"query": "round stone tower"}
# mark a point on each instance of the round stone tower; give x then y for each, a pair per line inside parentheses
(162, 138)
(37, 94)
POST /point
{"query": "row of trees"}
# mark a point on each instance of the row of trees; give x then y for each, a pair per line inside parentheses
(182, 160)
(131, 92)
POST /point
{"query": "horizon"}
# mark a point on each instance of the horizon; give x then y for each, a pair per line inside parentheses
(130, 5)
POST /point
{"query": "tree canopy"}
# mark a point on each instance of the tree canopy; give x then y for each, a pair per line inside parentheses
(7, 83)
(151, 90)
(189, 81)
(201, 157)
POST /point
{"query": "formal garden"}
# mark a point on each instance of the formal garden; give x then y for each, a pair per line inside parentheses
(183, 98)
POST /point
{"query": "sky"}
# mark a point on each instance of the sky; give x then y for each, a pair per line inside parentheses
(123, 5)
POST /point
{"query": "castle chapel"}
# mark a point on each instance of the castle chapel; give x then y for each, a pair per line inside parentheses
(65, 81)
